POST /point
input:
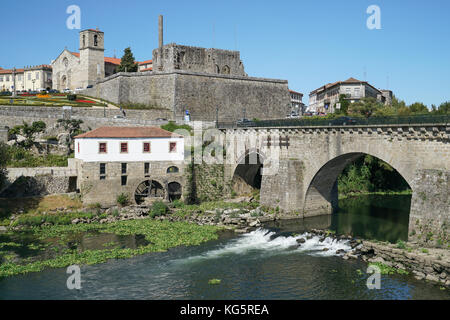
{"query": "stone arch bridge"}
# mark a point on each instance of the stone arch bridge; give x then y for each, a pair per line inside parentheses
(301, 166)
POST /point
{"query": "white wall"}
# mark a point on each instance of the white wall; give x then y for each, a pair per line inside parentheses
(89, 150)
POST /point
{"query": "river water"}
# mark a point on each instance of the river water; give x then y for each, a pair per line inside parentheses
(263, 264)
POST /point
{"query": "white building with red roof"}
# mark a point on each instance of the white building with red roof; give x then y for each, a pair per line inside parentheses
(118, 144)
(140, 162)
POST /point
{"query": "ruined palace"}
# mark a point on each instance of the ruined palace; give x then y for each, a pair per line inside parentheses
(209, 84)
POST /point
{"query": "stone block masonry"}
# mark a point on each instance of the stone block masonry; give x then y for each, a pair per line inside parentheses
(204, 95)
(311, 159)
(4, 135)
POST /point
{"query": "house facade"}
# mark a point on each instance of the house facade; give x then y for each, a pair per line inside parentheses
(297, 102)
(144, 163)
(325, 98)
(33, 78)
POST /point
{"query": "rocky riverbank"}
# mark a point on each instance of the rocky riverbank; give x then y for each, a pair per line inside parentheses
(423, 263)
(241, 220)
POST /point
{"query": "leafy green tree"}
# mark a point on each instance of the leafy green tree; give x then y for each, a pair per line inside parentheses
(444, 108)
(344, 104)
(28, 132)
(127, 64)
(418, 107)
(365, 107)
(397, 104)
(4, 158)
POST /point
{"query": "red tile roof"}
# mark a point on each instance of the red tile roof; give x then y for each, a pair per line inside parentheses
(6, 71)
(146, 62)
(292, 91)
(349, 80)
(128, 132)
(148, 69)
(115, 61)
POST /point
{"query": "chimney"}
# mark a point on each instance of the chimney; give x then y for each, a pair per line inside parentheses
(161, 42)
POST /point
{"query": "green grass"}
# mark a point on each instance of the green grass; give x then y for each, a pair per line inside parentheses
(22, 158)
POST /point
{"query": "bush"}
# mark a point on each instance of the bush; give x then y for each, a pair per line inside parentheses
(122, 199)
(177, 204)
(158, 209)
(71, 97)
(401, 244)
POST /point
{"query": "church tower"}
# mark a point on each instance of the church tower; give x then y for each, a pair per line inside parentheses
(92, 56)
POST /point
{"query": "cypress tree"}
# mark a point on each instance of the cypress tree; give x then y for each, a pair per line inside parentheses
(127, 64)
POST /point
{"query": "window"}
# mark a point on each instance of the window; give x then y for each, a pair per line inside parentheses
(102, 147)
(146, 168)
(172, 147)
(95, 40)
(29, 76)
(37, 75)
(102, 171)
(7, 78)
(123, 147)
(78, 144)
(173, 170)
(124, 168)
(147, 148)
(1, 79)
(124, 180)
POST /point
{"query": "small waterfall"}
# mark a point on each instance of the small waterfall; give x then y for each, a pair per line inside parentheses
(267, 242)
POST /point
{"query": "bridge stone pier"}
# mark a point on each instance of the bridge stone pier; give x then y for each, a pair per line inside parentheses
(301, 166)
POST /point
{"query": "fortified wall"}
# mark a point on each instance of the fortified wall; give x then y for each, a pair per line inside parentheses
(205, 96)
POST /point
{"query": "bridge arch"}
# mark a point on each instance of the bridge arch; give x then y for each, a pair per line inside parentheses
(247, 174)
(321, 195)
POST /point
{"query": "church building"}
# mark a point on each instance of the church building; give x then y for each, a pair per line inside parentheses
(73, 70)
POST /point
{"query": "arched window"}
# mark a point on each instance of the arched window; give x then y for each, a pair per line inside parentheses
(173, 170)
(84, 41)
(226, 69)
(95, 40)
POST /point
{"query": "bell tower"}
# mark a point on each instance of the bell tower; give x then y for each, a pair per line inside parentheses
(92, 56)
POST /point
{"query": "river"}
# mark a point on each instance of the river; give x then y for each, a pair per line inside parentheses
(263, 264)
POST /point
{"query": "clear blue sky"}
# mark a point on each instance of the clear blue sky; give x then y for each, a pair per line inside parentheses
(309, 43)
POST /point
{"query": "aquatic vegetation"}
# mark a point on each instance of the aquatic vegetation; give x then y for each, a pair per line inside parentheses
(214, 281)
(385, 269)
(160, 235)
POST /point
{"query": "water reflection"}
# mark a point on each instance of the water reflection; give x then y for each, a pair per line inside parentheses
(379, 217)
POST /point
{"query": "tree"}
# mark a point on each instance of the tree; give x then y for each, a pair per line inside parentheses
(444, 108)
(344, 104)
(4, 158)
(365, 107)
(74, 129)
(418, 107)
(127, 64)
(28, 132)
